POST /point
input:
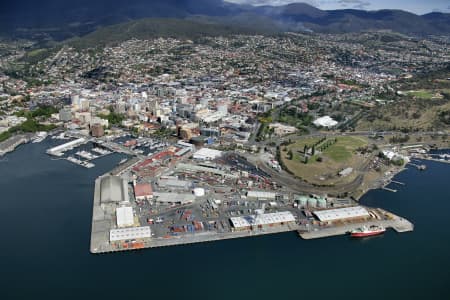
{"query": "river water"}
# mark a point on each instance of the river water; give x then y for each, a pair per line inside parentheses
(46, 210)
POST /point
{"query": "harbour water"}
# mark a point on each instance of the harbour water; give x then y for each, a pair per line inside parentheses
(46, 208)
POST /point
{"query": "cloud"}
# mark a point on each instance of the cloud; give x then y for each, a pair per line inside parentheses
(359, 4)
(272, 2)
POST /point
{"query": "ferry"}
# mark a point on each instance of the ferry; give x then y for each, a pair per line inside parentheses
(367, 231)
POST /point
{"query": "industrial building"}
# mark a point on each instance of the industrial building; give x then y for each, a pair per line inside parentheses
(261, 195)
(174, 182)
(124, 216)
(143, 191)
(174, 198)
(262, 220)
(345, 213)
(113, 189)
(129, 233)
(207, 154)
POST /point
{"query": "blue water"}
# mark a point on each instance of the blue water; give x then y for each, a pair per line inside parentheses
(45, 219)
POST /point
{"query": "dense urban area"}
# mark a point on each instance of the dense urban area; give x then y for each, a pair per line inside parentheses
(232, 136)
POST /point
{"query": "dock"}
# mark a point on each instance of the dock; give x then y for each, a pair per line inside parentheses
(399, 224)
(389, 189)
(201, 237)
(419, 167)
(398, 182)
(59, 150)
(12, 143)
(82, 163)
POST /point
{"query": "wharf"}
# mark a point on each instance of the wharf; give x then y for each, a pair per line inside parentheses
(389, 189)
(124, 166)
(201, 237)
(12, 143)
(445, 161)
(398, 182)
(397, 223)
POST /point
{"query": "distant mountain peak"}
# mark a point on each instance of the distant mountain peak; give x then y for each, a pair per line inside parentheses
(33, 16)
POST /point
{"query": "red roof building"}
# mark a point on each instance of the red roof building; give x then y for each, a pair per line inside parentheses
(143, 191)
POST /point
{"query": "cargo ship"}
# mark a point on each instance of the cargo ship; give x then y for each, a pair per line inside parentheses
(367, 231)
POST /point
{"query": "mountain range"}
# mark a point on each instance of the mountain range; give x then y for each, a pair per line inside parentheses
(60, 20)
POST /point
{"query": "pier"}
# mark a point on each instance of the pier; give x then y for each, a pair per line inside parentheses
(398, 182)
(419, 167)
(389, 189)
(59, 150)
(397, 223)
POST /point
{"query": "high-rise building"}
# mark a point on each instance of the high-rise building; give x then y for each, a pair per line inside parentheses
(65, 114)
(97, 130)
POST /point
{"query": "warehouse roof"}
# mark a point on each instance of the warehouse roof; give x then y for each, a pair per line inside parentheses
(341, 213)
(174, 197)
(143, 190)
(125, 216)
(129, 233)
(207, 154)
(261, 194)
(113, 189)
(264, 219)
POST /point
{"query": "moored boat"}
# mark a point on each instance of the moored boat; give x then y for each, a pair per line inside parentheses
(367, 231)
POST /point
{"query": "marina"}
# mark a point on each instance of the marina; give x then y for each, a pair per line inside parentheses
(84, 156)
(82, 163)
(40, 136)
(59, 150)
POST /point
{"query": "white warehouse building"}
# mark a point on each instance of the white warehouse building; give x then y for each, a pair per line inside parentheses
(125, 216)
(344, 213)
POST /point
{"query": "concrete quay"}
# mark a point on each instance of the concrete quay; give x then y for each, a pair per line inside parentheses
(12, 143)
(201, 237)
(397, 223)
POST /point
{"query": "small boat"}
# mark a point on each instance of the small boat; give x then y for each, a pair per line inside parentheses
(367, 231)
(40, 136)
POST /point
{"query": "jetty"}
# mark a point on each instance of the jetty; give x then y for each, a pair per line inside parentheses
(397, 182)
(397, 223)
(419, 167)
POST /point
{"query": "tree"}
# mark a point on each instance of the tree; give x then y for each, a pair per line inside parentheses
(290, 154)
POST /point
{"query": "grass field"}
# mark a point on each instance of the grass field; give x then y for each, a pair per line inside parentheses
(339, 155)
(422, 94)
(428, 117)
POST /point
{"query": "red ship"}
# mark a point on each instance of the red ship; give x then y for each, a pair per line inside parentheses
(367, 231)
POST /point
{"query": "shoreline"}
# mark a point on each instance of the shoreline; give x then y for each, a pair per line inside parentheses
(102, 224)
(11, 144)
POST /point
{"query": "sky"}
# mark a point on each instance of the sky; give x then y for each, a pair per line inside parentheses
(415, 6)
